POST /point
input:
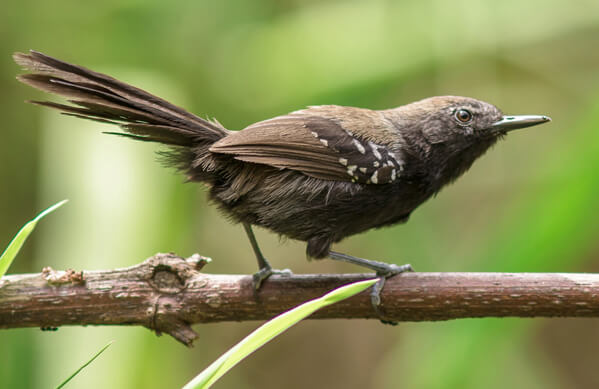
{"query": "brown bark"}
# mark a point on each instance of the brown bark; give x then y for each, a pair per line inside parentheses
(167, 293)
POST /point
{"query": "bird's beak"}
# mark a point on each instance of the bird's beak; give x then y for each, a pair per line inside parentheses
(510, 123)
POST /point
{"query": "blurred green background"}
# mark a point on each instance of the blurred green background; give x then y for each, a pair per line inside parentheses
(530, 204)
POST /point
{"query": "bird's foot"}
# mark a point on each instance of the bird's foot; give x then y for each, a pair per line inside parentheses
(383, 271)
(261, 275)
(375, 294)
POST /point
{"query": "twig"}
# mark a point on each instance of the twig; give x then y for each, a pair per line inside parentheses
(167, 293)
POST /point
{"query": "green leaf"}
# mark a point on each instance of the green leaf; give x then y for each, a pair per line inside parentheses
(17, 242)
(269, 330)
(84, 365)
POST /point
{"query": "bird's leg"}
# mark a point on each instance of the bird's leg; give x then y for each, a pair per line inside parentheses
(383, 271)
(265, 270)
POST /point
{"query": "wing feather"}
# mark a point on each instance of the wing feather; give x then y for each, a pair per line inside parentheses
(314, 145)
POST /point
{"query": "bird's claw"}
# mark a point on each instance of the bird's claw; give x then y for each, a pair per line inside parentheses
(261, 275)
(393, 270)
(375, 294)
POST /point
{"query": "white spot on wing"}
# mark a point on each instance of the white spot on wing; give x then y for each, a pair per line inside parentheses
(359, 146)
(351, 170)
(363, 169)
(374, 178)
(324, 142)
(343, 161)
(375, 150)
(397, 160)
(315, 134)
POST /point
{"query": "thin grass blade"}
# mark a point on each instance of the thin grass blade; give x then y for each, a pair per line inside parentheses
(17, 242)
(269, 330)
(84, 365)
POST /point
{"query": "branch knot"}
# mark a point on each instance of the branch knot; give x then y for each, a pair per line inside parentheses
(168, 276)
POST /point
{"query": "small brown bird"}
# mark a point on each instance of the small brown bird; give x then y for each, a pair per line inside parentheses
(317, 175)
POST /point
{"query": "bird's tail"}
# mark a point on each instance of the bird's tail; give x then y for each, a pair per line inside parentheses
(141, 115)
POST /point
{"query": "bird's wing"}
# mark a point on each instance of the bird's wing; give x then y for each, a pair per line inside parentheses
(314, 145)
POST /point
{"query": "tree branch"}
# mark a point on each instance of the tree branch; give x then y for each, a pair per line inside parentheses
(167, 293)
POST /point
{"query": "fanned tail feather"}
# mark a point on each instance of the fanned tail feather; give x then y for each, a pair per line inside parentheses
(141, 115)
(99, 97)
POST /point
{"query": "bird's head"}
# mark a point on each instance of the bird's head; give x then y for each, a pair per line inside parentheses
(463, 120)
(447, 133)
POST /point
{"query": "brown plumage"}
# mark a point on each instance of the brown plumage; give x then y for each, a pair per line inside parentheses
(317, 175)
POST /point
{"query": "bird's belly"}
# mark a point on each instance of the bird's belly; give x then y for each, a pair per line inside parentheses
(327, 209)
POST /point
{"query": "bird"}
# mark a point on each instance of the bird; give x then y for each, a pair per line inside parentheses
(317, 175)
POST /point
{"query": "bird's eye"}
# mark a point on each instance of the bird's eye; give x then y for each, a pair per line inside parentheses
(463, 115)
